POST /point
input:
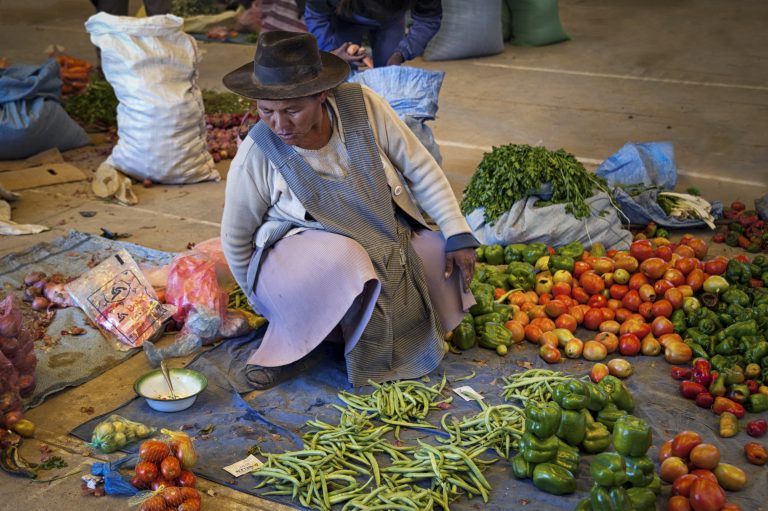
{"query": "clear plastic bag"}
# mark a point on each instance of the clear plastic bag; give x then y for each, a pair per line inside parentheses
(115, 432)
(118, 298)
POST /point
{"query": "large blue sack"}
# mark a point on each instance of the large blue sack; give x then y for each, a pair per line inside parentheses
(644, 208)
(31, 116)
(650, 163)
(412, 92)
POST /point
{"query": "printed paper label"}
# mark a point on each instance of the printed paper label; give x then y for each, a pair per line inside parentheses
(245, 466)
(468, 393)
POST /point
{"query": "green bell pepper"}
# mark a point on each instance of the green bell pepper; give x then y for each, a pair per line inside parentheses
(494, 254)
(640, 470)
(571, 395)
(608, 469)
(598, 398)
(764, 278)
(727, 346)
(494, 334)
(553, 479)
(573, 427)
(733, 374)
(542, 419)
(568, 458)
(521, 469)
(613, 499)
(631, 436)
(483, 294)
(534, 251)
(561, 262)
(739, 329)
(597, 438)
(609, 415)
(504, 311)
(618, 393)
(642, 499)
(737, 272)
(678, 320)
(697, 349)
(717, 387)
(521, 275)
(574, 250)
(480, 253)
(697, 336)
(482, 319)
(655, 486)
(499, 280)
(464, 336)
(584, 505)
(735, 296)
(761, 261)
(707, 326)
(757, 403)
(536, 450)
(718, 363)
(513, 252)
(738, 392)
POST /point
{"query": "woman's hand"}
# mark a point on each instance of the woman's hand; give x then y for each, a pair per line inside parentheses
(396, 59)
(465, 259)
(353, 54)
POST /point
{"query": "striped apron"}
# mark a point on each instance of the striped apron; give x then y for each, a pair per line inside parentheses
(403, 338)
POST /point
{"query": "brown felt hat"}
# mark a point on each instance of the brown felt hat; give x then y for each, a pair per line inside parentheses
(287, 65)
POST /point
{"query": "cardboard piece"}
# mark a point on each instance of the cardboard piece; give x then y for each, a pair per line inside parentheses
(52, 155)
(41, 175)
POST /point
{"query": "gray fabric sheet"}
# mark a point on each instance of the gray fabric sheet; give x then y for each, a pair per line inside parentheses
(73, 359)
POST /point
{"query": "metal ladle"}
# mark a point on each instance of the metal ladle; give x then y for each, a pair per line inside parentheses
(167, 377)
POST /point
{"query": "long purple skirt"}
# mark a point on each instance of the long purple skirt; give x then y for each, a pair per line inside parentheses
(314, 281)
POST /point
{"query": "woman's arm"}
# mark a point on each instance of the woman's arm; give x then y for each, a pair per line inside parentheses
(318, 16)
(245, 205)
(427, 16)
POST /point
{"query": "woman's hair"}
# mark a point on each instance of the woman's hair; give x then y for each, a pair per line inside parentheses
(380, 10)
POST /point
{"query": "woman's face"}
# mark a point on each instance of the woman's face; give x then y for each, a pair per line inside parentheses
(297, 122)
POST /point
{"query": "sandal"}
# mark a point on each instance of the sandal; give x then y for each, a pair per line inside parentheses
(262, 377)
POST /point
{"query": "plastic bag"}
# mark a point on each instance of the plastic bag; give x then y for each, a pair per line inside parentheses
(650, 164)
(193, 284)
(467, 32)
(181, 447)
(118, 298)
(116, 432)
(17, 348)
(536, 23)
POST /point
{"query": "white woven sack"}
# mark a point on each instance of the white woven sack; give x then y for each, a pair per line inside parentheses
(152, 65)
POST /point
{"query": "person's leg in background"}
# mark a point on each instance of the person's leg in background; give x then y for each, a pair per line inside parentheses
(155, 7)
(385, 39)
(115, 7)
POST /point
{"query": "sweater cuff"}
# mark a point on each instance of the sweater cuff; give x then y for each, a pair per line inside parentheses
(459, 241)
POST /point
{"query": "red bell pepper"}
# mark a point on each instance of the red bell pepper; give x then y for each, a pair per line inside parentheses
(682, 373)
(702, 372)
(757, 427)
(756, 453)
(691, 389)
(753, 386)
(705, 400)
(723, 404)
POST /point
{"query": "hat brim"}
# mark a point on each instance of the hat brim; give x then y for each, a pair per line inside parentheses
(242, 81)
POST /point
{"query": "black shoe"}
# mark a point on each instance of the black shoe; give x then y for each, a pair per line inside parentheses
(263, 377)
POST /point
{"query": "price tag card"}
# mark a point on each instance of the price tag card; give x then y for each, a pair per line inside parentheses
(468, 393)
(245, 466)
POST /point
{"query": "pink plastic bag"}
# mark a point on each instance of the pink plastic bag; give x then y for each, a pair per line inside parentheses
(192, 282)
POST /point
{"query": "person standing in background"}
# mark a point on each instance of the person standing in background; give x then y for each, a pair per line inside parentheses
(338, 24)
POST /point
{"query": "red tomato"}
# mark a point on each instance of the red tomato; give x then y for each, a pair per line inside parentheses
(146, 471)
(609, 340)
(665, 451)
(678, 503)
(637, 280)
(684, 251)
(664, 252)
(622, 314)
(661, 325)
(170, 467)
(629, 345)
(716, 266)
(699, 247)
(550, 354)
(618, 291)
(686, 264)
(661, 286)
(682, 485)
(672, 468)
(580, 295)
(675, 276)
(592, 282)
(645, 310)
(187, 479)
(704, 474)
(684, 442)
(695, 279)
(635, 325)
(675, 297)
(567, 321)
(641, 250)
(610, 326)
(706, 456)
(561, 289)
(580, 267)
(627, 262)
(662, 308)
(647, 293)
(631, 300)
(706, 495)
(654, 267)
(597, 301)
(592, 319)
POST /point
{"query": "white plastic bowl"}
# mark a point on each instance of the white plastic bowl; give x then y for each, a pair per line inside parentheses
(187, 385)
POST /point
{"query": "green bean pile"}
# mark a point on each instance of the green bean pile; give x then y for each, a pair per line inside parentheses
(496, 427)
(400, 498)
(354, 441)
(451, 471)
(238, 301)
(535, 384)
(312, 476)
(400, 403)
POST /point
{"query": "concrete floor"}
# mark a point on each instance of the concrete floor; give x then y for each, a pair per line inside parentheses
(693, 72)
